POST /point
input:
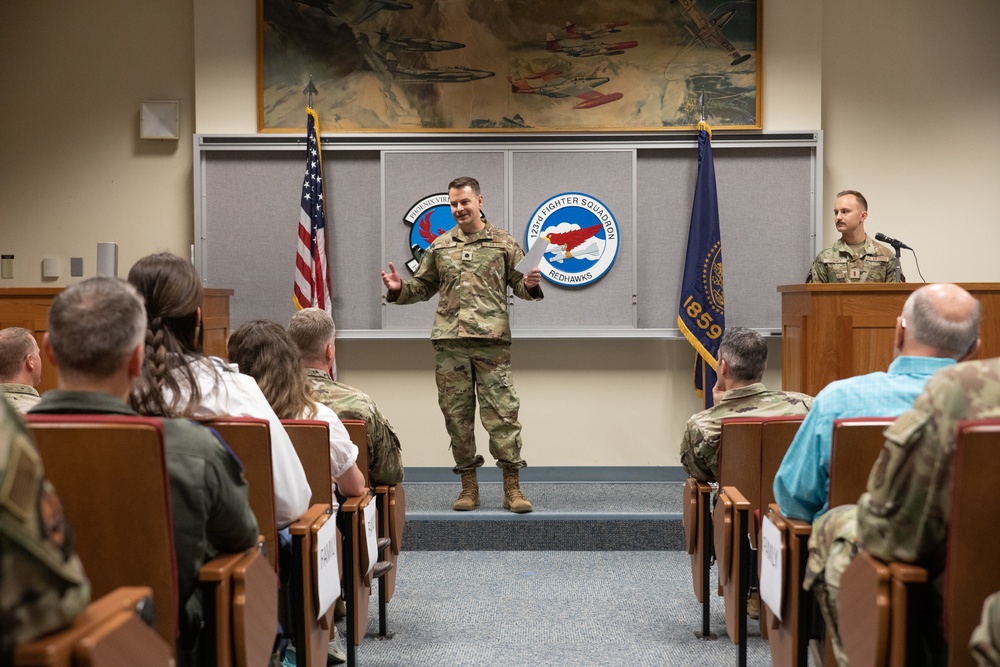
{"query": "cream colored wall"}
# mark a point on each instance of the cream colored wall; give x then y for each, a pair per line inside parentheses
(904, 92)
(911, 96)
(73, 171)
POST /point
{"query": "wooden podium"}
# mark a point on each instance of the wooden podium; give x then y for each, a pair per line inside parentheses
(28, 307)
(834, 331)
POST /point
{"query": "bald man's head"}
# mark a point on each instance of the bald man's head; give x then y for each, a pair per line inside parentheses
(944, 318)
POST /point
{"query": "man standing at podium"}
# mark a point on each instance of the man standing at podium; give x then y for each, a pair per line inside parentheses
(854, 257)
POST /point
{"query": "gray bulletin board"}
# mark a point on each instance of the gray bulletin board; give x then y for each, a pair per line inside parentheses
(246, 214)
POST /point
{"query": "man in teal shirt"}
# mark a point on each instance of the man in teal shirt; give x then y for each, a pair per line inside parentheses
(939, 325)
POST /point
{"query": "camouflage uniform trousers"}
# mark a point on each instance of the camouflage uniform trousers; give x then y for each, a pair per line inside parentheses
(831, 547)
(471, 368)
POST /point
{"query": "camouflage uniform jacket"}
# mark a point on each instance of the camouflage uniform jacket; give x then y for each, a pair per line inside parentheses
(20, 396)
(838, 264)
(903, 516)
(385, 459)
(208, 495)
(700, 445)
(42, 584)
(472, 273)
(985, 642)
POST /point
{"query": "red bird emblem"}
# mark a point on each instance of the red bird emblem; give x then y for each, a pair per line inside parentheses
(424, 227)
(573, 238)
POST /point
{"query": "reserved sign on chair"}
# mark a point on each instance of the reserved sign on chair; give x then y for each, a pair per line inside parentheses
(327, 569)
(771, 557)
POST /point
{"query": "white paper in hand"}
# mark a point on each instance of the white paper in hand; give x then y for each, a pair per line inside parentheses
(534, 256)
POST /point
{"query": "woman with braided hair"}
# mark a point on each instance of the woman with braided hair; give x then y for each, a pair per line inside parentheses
(178, 380)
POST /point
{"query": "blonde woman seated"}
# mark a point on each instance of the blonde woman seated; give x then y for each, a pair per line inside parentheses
(179, 381)
(264, 351)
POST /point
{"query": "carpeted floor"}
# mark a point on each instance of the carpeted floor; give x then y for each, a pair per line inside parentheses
(553, 608)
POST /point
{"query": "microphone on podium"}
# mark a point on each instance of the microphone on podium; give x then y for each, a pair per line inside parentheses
(879, 236)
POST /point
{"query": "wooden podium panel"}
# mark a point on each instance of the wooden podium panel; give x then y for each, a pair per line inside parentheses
(28, 307)
(834, 331)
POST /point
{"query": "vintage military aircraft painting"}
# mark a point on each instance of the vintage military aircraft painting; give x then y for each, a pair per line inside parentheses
(551, 83)
(375, 6)
(587, 49)
(416, 43)
(711, 28)
(574, 31)
(486, 65)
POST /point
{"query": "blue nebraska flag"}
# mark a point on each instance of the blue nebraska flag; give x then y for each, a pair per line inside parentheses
(702, 312)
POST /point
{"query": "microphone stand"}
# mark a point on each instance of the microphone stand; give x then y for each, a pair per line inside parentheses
(899, 265)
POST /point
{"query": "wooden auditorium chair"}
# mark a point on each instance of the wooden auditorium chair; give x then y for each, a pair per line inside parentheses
(731, 526)
(387, 549)
(882, 604)
(744, 438)
(110, 632)
(250, 440)
(856, 444)
(111, 474)
(750, 451)
(311, 439)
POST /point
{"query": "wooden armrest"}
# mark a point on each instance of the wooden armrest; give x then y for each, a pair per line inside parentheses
(255, 609)
(303, 524)
(907, 573)
(111, 621)
(865, 601)
(795, 527)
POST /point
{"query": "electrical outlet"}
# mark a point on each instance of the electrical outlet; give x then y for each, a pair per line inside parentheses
(76, 267)
(6, 266)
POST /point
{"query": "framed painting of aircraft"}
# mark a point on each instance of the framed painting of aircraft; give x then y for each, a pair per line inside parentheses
(514, 65)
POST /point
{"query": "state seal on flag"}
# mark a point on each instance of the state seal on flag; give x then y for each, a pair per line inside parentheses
(583, 238)
(428, 219)
(711, 278)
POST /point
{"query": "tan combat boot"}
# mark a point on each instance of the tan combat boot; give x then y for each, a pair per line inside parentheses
(513, 499)
(469, 498)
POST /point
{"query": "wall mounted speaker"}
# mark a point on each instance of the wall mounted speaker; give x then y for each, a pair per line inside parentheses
(158, 120)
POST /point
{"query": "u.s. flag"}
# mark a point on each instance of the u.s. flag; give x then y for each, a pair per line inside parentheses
(312, 279)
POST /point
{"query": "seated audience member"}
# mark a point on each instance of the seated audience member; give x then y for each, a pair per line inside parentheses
(20, 367)
(42, 584)
(939, 326)
(903, 516)
(312, 330)
(738, 393)
(95, 340)
(985, 642)
(179, 381)
(264, 351)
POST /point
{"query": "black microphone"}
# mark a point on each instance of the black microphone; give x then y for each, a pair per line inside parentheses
(879, 236)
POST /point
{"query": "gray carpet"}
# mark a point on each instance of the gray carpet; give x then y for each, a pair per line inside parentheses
(548, 608)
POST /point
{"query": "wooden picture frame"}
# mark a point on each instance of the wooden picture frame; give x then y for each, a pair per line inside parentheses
(508, 65)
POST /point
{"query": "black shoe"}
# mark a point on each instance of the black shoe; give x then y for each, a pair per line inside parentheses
(381, 568)
(382, 543)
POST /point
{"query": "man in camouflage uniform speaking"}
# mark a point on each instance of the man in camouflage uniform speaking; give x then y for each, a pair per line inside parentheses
(471, 266)
(903, 516)
(739, 392)
(312, 330)
(42, 585)
(854, 257)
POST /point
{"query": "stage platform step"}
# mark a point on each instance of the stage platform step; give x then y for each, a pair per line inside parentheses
(567, 516)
